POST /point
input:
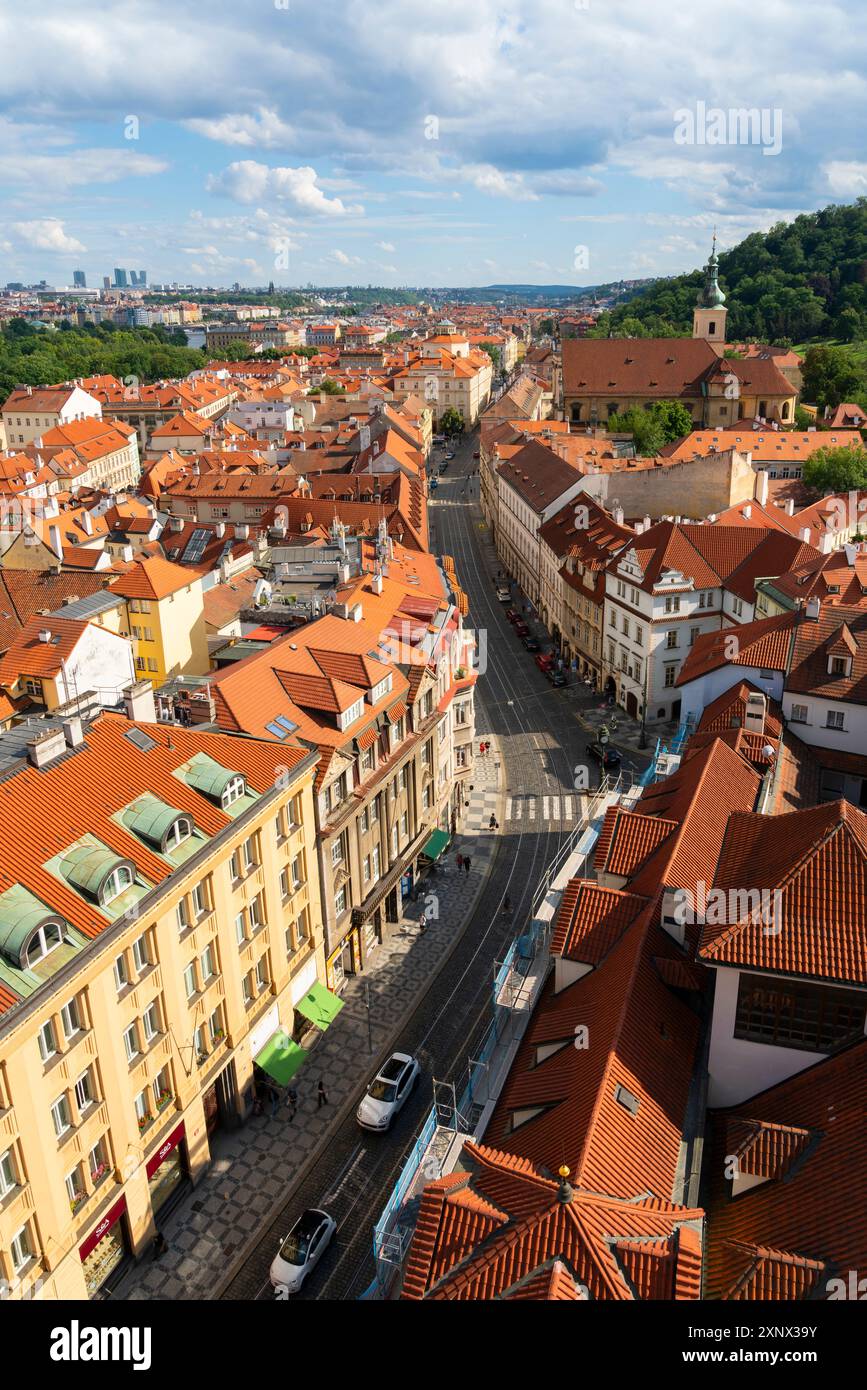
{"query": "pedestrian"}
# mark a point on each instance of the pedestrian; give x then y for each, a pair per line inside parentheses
(292, 1102)
(321, 1095)
(422, 923)
(459, 860)
(161, 1245)
(507, 905)
(493, 823)
(467, 862)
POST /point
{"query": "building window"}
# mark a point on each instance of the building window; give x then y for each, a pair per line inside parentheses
(21, 1249)
(257, 914)
(84, 1096)
(374, 860)
(340, 902)
(8, 1173)
(249, 851)
(142, 1109)
(240, 934)
(261, 974)
(672, 603)
(43, 940)
(799, 714)
(151, 1022)
(190, 981)
(47, 1041)
(200, 900)
(671, 638)
(835, 719)
(140, 954)
(670, 676)
(811, 1017)
(60, 1116)
(207, 967)
(117, 883)
(71, 1019)
(247, 988)
(97, 1162)
(235, 789)
(216, 1031)
(297, 867)
(182, 915)
(130, 1042)
(366, 869)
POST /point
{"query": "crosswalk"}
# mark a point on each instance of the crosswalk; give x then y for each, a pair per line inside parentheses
(545, 808)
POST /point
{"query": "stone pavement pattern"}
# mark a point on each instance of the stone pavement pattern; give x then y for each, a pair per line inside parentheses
(255, 1167)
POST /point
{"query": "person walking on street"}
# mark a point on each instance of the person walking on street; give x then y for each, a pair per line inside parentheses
(321, 1095)
(467, 862)
(292, 1103)
(507, 905)
(459, 860)
(493, 824)
(422, 923)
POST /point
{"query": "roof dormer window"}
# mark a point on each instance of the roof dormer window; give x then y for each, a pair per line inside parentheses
(233, 791)
(47, 937)
(116, 883)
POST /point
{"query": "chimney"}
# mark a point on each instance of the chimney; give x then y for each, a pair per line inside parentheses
(754, 714)
(220, 529)
(813, 608)
(376, 583)
(241, 533)
(139, 703)
(55, 542)
(826, 542)
(45, 635)
(356, 613)
(789, 506)
(761, 493)
(804, 534)
(747, 512)
(126, 553)
(87, 523)
(647, 523)
(45, 748)
(618, 516)
(73, 731)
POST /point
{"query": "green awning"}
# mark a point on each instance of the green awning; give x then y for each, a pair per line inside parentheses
(319, 1005)
(438, 841)
(281, 1057)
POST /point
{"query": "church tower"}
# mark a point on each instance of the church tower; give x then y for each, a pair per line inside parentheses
(709, 314)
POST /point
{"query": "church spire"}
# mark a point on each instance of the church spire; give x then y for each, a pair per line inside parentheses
(711, 296)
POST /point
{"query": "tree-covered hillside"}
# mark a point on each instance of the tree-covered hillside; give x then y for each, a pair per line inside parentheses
(32, 356)
(802, 280)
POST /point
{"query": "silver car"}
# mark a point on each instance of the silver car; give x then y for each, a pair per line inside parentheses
(301, 1251)
(387, 1093)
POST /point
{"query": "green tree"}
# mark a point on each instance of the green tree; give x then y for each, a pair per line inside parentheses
(493, 352)
(836, 470)
(329, 386)
(674, 419)
(644, 427)
(452, 421)
(831, 375)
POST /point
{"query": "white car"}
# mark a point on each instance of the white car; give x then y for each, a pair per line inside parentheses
(503, 594)
(388, 1091)
(301, 1251)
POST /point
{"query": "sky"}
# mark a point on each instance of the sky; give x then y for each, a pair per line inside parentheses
(400, 142)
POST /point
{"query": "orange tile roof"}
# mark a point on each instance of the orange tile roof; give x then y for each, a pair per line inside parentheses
(28, 656)
(763, 644)
(816, 860)
(787, 1236)
(154, 578)
(590, 920)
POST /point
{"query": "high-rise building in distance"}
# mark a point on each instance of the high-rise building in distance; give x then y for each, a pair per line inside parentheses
(79, 280)
(120, 278)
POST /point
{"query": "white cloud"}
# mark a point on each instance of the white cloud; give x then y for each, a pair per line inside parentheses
(385, 246)
(265, 129)
(247, 181)
(76, 168)
(846, 179)
(47, 234)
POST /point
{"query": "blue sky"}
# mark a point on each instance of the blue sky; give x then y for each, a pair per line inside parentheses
(401, 142)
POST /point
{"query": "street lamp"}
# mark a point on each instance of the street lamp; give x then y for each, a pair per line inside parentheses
(642, 737)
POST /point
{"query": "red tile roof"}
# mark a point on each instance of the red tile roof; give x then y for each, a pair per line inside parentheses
(786, 1237)
(816, 860)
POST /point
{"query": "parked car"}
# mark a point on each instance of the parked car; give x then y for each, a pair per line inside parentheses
(557, 678)
(531, 643)
(444, 465)
(605, 754)
(476, 455)
(302, 1249)
(504, 594)
(545, 660)
(512, 614)
(449, 456)
(521, 628)
(388, 1091)
(434, 484)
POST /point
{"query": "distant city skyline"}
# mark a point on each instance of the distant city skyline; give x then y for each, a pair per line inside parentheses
(460, 146)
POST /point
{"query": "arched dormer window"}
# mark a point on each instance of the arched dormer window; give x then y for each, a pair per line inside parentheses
(116, 883)
(233, 791)
(42, 942)
(181, 830)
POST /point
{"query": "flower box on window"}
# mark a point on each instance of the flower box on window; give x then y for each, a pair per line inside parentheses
(76, 1201)
(164, 1099)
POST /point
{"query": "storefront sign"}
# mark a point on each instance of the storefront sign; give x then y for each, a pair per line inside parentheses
(164, 1150)
(265, 1029)
(104, 1226)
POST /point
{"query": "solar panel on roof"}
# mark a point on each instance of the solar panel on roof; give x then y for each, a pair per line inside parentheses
(142, 741)
(196, 546)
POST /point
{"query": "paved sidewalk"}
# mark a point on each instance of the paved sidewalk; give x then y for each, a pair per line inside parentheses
(255, 1167)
